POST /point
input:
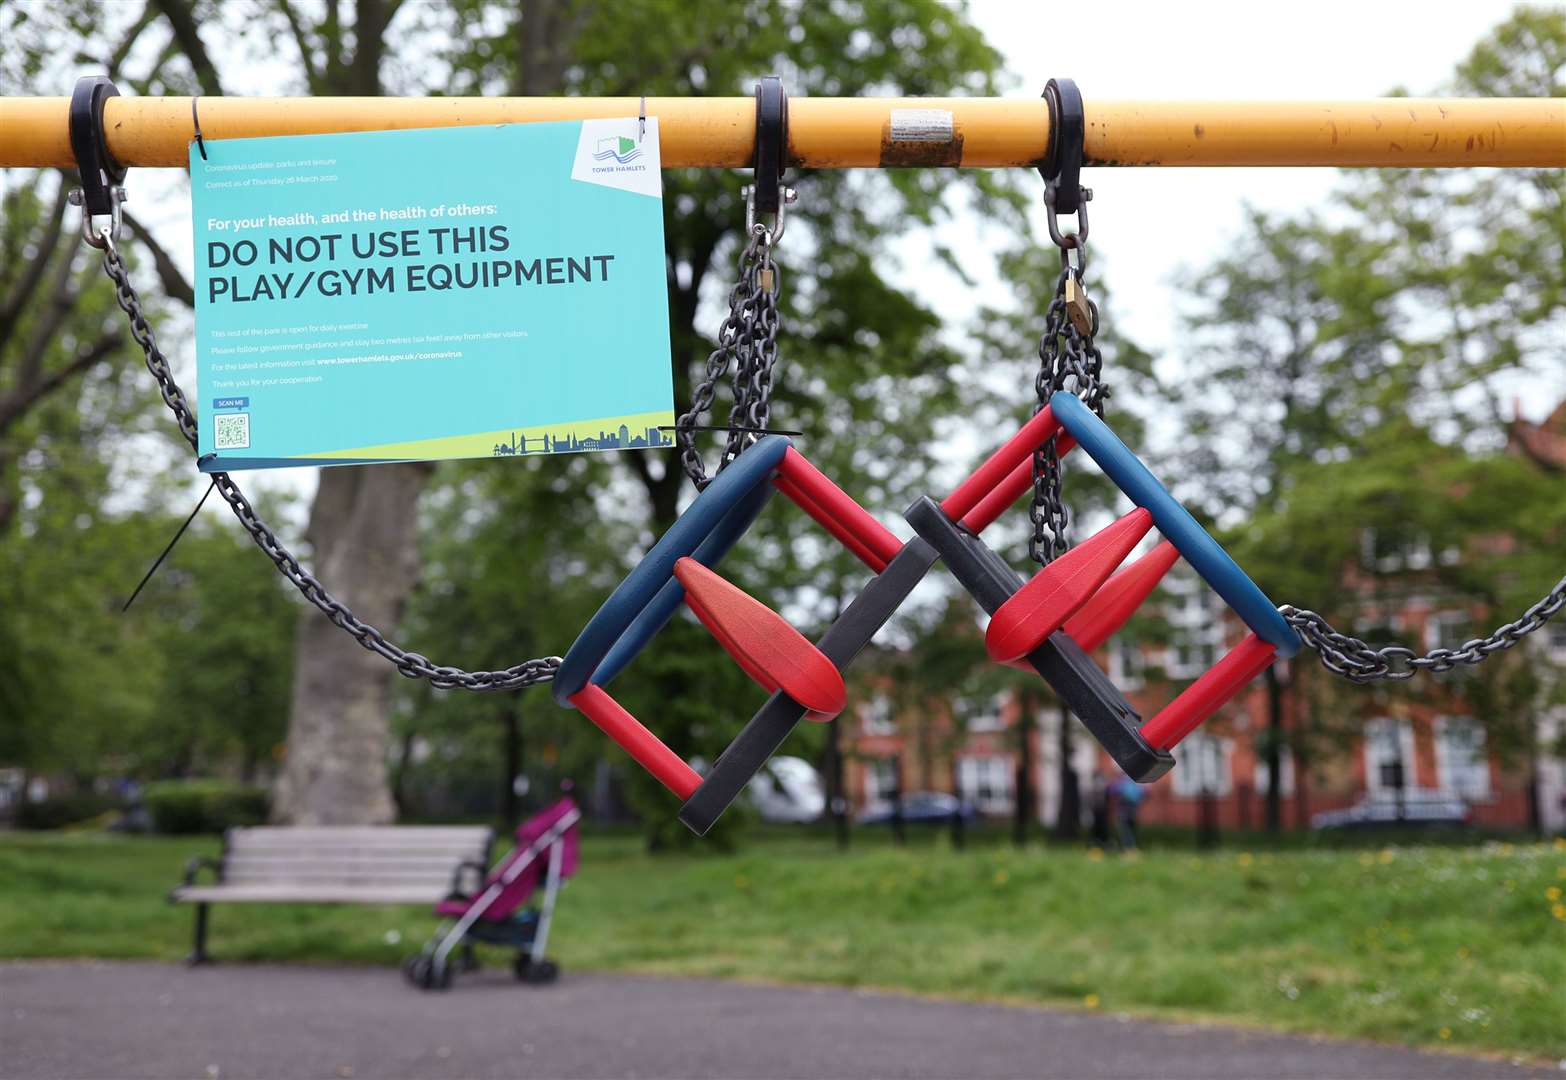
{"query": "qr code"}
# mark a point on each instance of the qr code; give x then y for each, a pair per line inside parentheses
(231, 431)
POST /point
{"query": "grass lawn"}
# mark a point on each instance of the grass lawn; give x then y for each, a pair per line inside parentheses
(1439, 946)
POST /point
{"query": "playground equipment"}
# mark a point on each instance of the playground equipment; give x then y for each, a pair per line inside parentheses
(803, 679)
(1050, 624)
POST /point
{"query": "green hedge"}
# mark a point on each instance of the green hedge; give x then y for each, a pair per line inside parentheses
(63, 810)
(203, 806)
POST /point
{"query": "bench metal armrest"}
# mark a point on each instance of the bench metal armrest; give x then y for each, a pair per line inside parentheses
(195, 865)
(466, 866)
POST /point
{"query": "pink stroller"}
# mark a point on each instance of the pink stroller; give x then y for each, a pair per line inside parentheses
(545, 854)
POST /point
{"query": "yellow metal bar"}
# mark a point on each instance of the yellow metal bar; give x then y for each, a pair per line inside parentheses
(1381, 133)
(864, 132)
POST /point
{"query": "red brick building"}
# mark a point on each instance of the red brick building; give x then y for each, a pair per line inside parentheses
(1436, 747)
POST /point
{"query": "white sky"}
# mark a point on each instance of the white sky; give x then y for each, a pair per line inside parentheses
(1148, 223)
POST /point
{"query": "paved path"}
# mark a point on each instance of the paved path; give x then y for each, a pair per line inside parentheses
(148, 1020)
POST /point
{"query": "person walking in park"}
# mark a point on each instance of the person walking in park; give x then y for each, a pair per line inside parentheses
(1098, 809)
(1128, 799)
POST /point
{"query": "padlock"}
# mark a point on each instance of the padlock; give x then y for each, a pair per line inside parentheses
(1078, 309)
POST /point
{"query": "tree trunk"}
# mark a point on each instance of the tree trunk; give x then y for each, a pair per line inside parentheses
(1024, 802)
(363, 534)
(899, 837)
(399, 791)
(1274, 751)
(837, 799)
(511, 808)
(1301, 791)
(1068, 818)
(1207, 819)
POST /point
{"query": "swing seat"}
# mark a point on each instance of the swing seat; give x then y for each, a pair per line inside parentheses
(1051, 623)
(805, 680)
(762, 642)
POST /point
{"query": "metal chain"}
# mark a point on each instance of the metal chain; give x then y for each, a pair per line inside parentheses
(411, 664)
(748, 339)
(1068, 360)
(1361, 663)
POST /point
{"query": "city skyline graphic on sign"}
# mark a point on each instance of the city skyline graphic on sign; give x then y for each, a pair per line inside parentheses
(569, 442)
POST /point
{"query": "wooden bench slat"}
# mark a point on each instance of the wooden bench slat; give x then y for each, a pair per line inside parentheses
(330, 871)
(336, 870)
(359, 855)
(391, 862)
(295, 894)
(396, 835)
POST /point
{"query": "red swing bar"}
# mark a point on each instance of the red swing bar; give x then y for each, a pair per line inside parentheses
(1056, 592)
(649, 751)
(836, 511)
(1000, 470)
(1209, 693)
(998, 500)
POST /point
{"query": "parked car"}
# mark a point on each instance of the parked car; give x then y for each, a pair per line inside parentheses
(787, 790)
(918, 807)
(1418, 808)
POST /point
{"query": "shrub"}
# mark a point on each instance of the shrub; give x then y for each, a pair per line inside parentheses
(203, 806)
(63, 810)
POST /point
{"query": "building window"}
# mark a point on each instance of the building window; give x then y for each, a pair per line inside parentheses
(1389, 755)
(880, 780)
(1448, 630)
(986, 782)
(1196, 626)
(1203, 766)
(1389, 552)
(1125, 663)
(985, 715)
(1462, 766)
(1285, 774)
(1378, 630)
(875, 716)
(1555, 637)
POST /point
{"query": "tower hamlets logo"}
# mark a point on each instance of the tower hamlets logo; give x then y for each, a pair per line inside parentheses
(620, 149)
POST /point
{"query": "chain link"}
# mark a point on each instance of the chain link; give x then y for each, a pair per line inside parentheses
(411, 664)
(1068, 360)
(1359, 662)
(748, 339)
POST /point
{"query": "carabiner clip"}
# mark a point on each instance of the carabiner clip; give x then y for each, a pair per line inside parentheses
(770, 236)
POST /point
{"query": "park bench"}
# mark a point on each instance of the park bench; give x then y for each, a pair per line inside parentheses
(372, 864)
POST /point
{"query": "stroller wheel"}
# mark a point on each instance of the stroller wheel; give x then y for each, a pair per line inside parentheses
(422, 972)
(536, 972)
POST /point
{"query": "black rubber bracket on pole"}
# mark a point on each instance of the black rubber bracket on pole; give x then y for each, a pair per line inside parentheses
(843, 640)
(1062, 168)
(1062, 663)
(101, 174)
(771, 143)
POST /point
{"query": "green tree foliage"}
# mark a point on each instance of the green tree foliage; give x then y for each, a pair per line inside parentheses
(193, 677)
(1348, 394)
